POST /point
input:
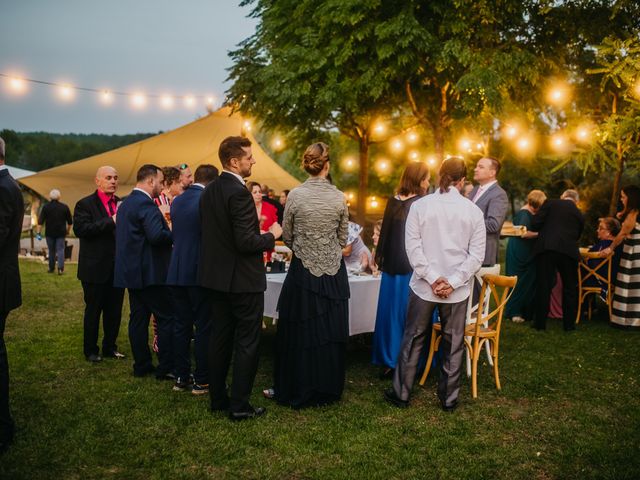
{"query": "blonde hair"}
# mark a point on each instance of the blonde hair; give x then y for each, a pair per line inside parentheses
(54, 194)
(315, 157)
(536, 198)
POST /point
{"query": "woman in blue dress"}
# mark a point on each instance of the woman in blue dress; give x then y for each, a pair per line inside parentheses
(391, 259)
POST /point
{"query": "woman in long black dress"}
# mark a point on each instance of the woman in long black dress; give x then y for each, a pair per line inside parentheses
(313, 324)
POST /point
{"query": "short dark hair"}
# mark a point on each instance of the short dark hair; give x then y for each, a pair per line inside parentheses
(145, 171)
(414, 174)
(205, 174)
(232, 147)
(452, 170)
(495, 164)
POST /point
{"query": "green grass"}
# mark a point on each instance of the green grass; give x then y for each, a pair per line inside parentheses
(568, 408)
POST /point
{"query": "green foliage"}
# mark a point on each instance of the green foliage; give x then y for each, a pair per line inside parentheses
(39, 150)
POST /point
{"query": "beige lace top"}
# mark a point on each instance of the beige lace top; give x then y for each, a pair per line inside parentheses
(315, 225)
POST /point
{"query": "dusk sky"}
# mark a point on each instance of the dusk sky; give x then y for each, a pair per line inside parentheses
(151, 46)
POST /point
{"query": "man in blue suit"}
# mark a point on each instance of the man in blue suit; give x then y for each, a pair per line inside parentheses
(191, 302)
(143, 251)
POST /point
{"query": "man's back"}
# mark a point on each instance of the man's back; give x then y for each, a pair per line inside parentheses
(185, 215)
(11, 215)
(231, 258)
(143, 243)
(560, 224)
(446, 231)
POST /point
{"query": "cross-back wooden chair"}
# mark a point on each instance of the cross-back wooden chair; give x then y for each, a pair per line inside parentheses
(587, 272)
(484, 329)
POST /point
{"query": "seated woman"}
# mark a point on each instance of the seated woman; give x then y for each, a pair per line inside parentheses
(608, 228)
(357, 256)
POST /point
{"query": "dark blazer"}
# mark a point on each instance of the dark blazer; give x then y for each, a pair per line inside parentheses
(560, 224)
(185, 257)
(55, 216)
(494, 204)
(143, 243)
(11, 215)
(231, 253)
(96, 230)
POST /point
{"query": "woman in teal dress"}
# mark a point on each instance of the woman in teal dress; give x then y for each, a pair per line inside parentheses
(520, 262)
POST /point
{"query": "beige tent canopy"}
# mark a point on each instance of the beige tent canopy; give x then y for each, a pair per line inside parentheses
(194, 144)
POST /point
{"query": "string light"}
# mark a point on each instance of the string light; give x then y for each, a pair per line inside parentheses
(278, 144)
(412, 137)
(166, 101)
(348, 164)
(379, 128)
(383, 166)
(67, 92)
(414, 155)
(559, 142)
(397, 145)
(189, 101)
(558, 94)
(17, 84)
(510, 131)
(246, 126)
(139, 100)
(106, 97)
(431, 160)
(465, 144)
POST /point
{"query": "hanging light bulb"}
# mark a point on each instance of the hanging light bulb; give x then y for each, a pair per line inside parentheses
(65, 92)
(139, 100)
(106, 97)
(17, 85)
(189, 101)
(166, 101)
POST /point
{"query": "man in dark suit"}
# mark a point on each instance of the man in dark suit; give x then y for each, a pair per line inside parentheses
(231, 261)
(56, 217)
(489, 196)
(11, 215)
(191, 302)
(560, 224)
(94, 223)
(143, 251)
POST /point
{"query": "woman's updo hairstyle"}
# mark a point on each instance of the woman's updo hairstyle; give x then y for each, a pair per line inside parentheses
(315, 157)
(452, 171)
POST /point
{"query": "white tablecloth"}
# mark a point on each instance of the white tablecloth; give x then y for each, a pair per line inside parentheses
(363, 302)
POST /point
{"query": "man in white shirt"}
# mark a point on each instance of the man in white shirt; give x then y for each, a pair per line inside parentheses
(494, 203)
(445, 242)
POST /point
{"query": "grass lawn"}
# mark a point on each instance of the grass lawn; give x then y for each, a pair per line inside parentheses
(569, 408)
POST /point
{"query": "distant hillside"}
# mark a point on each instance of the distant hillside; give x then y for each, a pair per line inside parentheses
(40, 150)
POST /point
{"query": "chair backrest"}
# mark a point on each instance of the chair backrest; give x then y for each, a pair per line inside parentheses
(586, 271)
(500, 288)
(472, 307)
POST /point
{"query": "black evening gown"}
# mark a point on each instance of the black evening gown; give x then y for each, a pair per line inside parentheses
(311, 339)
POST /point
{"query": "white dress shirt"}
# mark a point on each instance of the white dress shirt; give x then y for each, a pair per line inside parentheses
(239, 177)
(481, 190)
(445, 237)
(146, 193)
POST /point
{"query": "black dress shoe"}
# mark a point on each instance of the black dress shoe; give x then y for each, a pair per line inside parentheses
(254, 412)
(449, 408)
(94, 357)
(391, 397)
(166, 376)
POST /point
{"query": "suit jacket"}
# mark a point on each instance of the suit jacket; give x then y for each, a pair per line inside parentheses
(494, 204)
(96, 230)
(11, 215)
(560, 224)
(231, 252)
(185, 257)
(143, 243)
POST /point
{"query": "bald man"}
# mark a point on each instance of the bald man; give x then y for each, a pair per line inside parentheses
(94, 223)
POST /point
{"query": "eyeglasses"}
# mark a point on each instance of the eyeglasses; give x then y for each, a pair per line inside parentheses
(183, 166)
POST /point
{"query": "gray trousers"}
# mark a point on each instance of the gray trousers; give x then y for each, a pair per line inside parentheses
(416, 332)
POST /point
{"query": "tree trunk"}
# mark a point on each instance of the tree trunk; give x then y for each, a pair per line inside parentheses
(438, 141)
(363, 183)
(616, 181)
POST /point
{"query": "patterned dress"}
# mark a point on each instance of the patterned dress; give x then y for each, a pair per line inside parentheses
(626, 297)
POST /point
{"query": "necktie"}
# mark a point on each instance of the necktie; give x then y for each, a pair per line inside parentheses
(112, 206)
(477, 195)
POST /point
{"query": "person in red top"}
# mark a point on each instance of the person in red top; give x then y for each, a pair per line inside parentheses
(267, 213)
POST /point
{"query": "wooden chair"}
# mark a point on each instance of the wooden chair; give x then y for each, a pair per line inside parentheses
(586, 272)
(485, 329)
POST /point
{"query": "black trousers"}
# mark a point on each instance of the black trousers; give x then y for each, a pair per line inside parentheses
(106, 300)
(236, 326)
(192, 308)
(6, 422)
(547, 264)
(145, 301)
